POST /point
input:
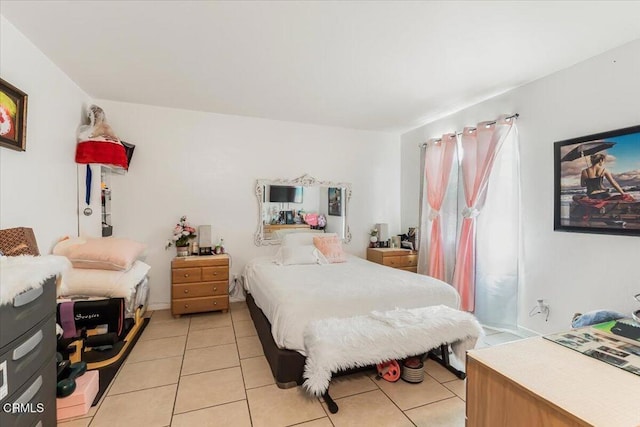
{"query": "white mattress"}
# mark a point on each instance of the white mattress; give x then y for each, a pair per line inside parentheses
(293, 295)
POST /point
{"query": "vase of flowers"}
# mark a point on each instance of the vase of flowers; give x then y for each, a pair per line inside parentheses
(182, 234)
(373, 238)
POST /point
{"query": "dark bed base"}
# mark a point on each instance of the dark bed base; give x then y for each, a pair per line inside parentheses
(287, 366)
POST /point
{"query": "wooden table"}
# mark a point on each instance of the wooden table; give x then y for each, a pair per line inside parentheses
(535, 382)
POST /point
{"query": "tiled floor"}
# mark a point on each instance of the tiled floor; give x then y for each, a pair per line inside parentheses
(209, 370)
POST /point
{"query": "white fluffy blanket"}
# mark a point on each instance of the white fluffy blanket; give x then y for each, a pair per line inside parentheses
(336, 344)
(21, 273)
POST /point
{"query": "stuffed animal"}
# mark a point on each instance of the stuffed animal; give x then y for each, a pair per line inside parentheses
(97, 127)
(594, 317)
(98, 143)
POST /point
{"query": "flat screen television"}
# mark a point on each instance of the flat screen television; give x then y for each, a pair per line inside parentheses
(285, 194)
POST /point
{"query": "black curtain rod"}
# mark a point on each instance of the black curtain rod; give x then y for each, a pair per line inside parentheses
(513, 116)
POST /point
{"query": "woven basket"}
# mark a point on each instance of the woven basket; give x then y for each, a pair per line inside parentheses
(18, 241)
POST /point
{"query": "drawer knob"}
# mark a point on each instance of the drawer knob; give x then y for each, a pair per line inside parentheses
(186, 306)
(215, 273)
(186, 274)
(186, 291)
(215, 289)
(215, 303)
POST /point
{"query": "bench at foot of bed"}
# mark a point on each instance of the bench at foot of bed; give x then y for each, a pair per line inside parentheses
(334, 344)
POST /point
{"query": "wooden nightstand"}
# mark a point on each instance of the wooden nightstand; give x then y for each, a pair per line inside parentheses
(199, 283)
(403, 259)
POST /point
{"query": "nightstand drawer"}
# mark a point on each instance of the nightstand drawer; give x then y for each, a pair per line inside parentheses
(215, 273)
(196, 305)
(400, 261)
(203, 289)
(411, 269)
(186, 275)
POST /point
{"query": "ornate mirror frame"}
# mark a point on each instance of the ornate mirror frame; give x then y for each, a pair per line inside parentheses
(303, 181)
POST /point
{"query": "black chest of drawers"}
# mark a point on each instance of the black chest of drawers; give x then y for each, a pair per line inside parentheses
(27, 358)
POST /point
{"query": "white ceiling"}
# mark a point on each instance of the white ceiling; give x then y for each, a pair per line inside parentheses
(388, 66)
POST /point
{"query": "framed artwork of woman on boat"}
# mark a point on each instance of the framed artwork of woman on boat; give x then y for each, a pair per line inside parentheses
(597, 183)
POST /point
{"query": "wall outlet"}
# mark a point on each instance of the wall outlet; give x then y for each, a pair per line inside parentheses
(541, 307)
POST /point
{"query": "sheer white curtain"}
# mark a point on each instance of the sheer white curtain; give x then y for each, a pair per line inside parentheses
(498, 241)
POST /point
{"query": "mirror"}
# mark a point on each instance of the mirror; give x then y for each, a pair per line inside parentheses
(301, 204)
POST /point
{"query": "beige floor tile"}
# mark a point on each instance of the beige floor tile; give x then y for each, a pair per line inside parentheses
(459, 387)
(321, 422)
(149, 374)
(438, 371)
(216, 319)
(256, 372)
(210, 337)
(445, 413)
(147, 408)
(210, 358)
(271, 406)
(82, 422)
(238, 305)
(158, 316)
(244, 328)
(234, 414)
(249, 347)
(173, 328)
(349, 385)
(238, 315)
(157, 349)
(368, 409)
(407, 395)
(200, 391)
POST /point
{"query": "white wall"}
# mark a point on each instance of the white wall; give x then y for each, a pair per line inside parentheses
(205, 166)
(574, 272)
(38, 186)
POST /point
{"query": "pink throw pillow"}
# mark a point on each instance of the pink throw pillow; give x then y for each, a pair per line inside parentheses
(102, 253)
(331, 248)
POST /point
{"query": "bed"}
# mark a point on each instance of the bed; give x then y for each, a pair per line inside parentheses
(283, 299)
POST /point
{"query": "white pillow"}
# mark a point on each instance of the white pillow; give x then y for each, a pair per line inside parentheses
(299, 255)
(298, 239)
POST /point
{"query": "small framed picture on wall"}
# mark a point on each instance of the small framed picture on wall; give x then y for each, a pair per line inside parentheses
(13, 117)
(597, 183)
(335, 201)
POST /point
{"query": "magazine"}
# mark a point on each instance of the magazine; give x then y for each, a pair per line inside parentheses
(616, 343)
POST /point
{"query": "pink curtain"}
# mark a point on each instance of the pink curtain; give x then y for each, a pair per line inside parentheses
(438, 161)
(480, 146)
